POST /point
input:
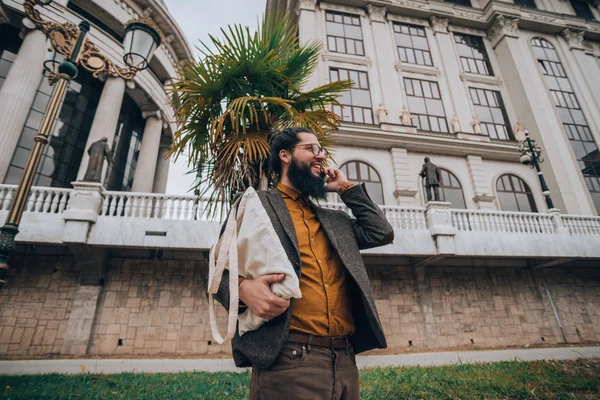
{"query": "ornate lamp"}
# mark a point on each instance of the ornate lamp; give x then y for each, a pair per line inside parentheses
(531, 154)
(142, 38)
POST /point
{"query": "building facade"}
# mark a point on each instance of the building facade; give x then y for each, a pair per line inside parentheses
(122, 269)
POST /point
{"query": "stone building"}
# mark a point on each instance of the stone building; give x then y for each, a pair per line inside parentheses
(457, 81)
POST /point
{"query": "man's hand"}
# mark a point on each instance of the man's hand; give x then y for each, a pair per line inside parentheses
(257, 295)
(335, 179)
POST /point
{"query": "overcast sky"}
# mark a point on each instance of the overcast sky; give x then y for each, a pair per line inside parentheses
(198, 19)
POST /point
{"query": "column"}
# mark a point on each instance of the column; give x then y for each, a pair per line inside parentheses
(385, 61)
(404, 191)
(106, 118)
(536, 112)
(451, 70)
(481, 184)
(143, 179)
(587, 70)
(161, 176)
(18, 92)
(307, 32)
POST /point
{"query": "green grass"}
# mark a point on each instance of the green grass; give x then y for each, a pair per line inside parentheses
(506, 380)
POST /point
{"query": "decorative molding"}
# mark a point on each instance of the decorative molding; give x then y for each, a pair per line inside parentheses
(347, 59)
(574, 38)
(152, 114)
(503, 26)
(475, 78)
(308, 5)
(591, 48)
(377, 14)
(405, 193)
(473, 137)
(439, 25)
(412, 4)
(343, 8)
(406, 19)
(418, 69)
(484, 198)
(467, 30)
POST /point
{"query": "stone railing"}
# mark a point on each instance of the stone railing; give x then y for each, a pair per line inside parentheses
(44, 200)
(146, 205)
(582, 225)
(503, 221)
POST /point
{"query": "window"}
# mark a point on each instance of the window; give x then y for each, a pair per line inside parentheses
(360, 172)
(571, 115)
(473, 55)
(412, 44)
(514, 194)
(450, 189)
(96, 21)
(425, 105)
(126, 147)
(62, 155)
(356, 103)
(526, 3)
(344, 33)
(582, 9)
(465, 3)
(491, 113)
(9, 46)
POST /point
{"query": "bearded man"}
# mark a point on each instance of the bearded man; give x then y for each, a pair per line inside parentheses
(307, 348)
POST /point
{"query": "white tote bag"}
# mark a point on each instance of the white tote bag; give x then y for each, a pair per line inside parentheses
(248, 247)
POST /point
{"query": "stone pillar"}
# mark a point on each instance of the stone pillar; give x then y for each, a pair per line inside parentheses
(451, 70)
(587, 71)
(385, 48)
(536, 112)
(18, 92)
(481, 184)
(439, 221)
(404, 191)
(143, 179)
(106, 119)
(161, 176)
(307, 23)
(79, 327)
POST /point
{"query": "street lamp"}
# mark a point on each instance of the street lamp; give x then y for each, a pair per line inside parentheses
(142, 38)
(531, 155)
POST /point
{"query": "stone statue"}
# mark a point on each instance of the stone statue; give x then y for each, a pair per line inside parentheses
(455, 123)
(405, 117)
(97, 152)
(381, 114)
(476, 125)
(519, 131)
(431, 173)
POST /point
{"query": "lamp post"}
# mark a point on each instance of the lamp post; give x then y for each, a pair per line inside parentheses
(142, 38)
(531, 155)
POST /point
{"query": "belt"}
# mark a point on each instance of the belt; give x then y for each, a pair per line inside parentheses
(337, 343)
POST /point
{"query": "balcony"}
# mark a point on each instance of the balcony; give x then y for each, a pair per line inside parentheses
(434, 235)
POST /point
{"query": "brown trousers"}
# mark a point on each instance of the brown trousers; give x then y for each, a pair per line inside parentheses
(302, 373)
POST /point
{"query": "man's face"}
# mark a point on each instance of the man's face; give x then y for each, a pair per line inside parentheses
(304, 171)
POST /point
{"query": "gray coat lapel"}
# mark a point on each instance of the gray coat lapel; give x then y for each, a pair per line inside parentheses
(283, 215)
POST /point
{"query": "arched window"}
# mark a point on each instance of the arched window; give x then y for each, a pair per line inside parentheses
(514, 194)
(360, 172)
(569, 110)
(450, 189)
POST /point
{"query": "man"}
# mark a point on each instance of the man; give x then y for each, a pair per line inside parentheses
(306, 349)
(431, 173)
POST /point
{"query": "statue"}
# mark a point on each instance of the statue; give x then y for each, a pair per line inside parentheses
(455, 123)
(97, 152)
(405, 117)
(431, 173)
(381, 114)
(476, 126)
(519, 131)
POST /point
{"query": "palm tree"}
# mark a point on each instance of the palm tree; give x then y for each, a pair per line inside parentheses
(229, 102)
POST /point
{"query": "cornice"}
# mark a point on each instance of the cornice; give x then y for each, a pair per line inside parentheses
(373, 137)
(343, 58)
(488, 80)
(418, 69)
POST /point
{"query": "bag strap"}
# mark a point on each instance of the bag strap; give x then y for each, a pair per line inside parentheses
(226, 250)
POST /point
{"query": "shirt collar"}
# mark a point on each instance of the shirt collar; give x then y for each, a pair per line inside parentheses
(288, 191)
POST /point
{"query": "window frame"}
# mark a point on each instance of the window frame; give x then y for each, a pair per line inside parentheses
(358, 180)
(497, 95)
(416, 116)
(443, 186)
(528, 192)
(399, 25)
(366, 111)
(344, 38)
(473, 42)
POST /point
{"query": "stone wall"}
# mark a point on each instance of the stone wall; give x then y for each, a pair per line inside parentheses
(35, 304)
(158, 308)
(152, 307)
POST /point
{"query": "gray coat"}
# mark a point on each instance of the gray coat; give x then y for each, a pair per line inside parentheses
(368, 229)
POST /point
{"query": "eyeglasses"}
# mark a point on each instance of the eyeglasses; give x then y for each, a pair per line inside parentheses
(316, 149)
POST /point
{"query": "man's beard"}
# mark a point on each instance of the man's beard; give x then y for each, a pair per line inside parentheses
(305, 182)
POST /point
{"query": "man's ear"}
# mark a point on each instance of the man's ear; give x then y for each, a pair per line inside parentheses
(285, 156)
